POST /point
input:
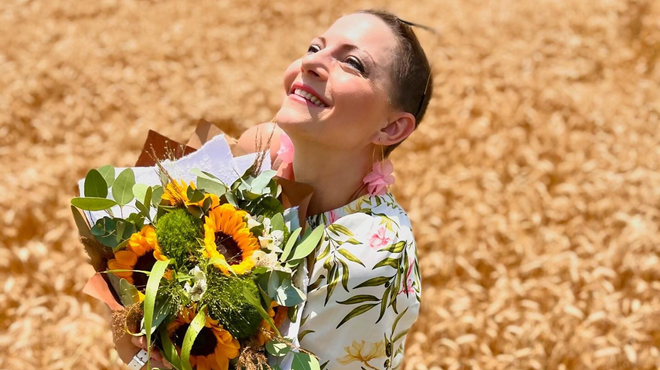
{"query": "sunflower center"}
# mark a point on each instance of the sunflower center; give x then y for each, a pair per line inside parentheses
(204, 343)
(145, 263)
(227, 246)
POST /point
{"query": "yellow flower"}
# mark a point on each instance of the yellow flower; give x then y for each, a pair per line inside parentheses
(265, 332)
(141, 253)
(176, 192)
(358, 352)
(228, 240)
(214, 346)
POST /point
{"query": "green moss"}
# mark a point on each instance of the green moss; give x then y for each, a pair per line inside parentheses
(227, 304)
(177, 233)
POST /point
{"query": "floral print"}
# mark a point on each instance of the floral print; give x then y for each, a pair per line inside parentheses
(364, 287)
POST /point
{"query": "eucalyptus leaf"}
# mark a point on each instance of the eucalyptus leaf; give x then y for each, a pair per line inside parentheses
(304, 361)
(93, 203)
(95, 185)
(156, 195)
(289, 245)
(122, 189)
(310, 243)
(211, 186)
(140, 191)
(108, 173)
(262, 181)
(277, 348)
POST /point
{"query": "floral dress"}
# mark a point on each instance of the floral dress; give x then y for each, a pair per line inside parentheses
(363, 292)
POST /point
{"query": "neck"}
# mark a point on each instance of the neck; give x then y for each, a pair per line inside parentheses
(335, 175)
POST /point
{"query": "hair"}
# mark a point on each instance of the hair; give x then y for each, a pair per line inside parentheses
(411, 70)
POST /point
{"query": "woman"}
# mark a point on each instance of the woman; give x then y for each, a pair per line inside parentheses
(359, 91)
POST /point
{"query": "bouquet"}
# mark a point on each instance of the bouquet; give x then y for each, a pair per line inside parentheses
(207, 269)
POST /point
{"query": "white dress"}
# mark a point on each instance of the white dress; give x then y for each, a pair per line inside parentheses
(363, 294)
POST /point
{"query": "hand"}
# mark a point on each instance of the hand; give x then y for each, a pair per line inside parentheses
(127, 346)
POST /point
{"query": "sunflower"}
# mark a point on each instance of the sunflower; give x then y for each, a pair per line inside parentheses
(227, 238)
(176, 192)
(141, 253)
(213, 347)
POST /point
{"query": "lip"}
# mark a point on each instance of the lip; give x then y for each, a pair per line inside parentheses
(310, 90)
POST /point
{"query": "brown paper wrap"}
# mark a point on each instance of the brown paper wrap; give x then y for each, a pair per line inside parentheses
(293, 194)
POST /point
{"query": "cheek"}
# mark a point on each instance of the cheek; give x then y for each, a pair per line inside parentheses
(290, 75)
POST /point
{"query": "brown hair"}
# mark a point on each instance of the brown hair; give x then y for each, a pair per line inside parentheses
(411, 75)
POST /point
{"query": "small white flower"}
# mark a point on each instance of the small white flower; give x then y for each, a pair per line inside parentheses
(197, 290)
(278, 237)
(263, 259)
(252, 222)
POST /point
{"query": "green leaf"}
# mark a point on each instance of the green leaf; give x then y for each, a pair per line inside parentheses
(394, 248)
(302, 334)
(93, 204)
(359, 299)
(108, 173)
(277, 222)
(353, 241)
(95, 185)
(344, 274)
(277, 348)
(288, 295)
(289, 245)
(340, 229)
(376, 281)
(254, 301)
(262, 181)
(357, 311)
(349, 256)
(333, 277)
(195, 327)
(122, 190)
(398, 318)
(392, 262)
(140, 191)
(128, 293)
(143, 210)
(156, 195)
(400, 335)
(383, 302)
(304, 361)
(161, 312)
(308, 245)
(157, 272)
(168, 349)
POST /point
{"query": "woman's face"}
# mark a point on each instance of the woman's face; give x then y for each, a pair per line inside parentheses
(347, 68)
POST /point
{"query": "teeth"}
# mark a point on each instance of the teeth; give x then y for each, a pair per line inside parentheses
(309, 97)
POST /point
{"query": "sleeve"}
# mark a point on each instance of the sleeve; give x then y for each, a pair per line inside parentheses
(364, 294)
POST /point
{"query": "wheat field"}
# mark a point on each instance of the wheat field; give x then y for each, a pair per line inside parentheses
(533, 184)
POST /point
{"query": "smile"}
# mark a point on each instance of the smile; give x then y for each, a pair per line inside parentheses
(306, 98)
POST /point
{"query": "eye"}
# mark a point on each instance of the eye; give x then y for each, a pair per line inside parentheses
(312, 46)
(356, 62)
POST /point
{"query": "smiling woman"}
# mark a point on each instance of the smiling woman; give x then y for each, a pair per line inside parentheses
(361, 88)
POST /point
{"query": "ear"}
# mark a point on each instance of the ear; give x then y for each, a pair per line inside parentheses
(400, 126)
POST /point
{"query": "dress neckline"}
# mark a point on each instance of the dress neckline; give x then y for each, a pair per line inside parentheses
(359, 204)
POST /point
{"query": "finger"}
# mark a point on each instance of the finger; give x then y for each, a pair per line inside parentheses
(156, 355)
(139, 342)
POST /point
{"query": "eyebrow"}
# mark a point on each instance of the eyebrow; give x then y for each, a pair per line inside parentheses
(351, 47)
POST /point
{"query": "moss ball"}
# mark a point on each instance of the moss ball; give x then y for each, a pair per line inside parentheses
(177, 233)
(227, 304)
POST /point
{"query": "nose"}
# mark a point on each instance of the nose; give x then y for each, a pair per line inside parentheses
(315, 64)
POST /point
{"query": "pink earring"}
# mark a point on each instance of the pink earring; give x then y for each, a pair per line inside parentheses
(380, 176)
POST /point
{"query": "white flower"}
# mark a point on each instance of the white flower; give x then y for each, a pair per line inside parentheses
(252, 222)
(199, 287)
(263, 259)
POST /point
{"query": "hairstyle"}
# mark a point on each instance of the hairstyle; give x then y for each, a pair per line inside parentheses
(411, 70)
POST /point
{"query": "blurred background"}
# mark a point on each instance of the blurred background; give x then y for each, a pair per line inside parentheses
(533, 183)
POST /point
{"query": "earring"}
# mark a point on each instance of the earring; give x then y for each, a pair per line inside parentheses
(380, 176)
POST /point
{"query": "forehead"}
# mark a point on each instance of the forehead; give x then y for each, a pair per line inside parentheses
(365, 31)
